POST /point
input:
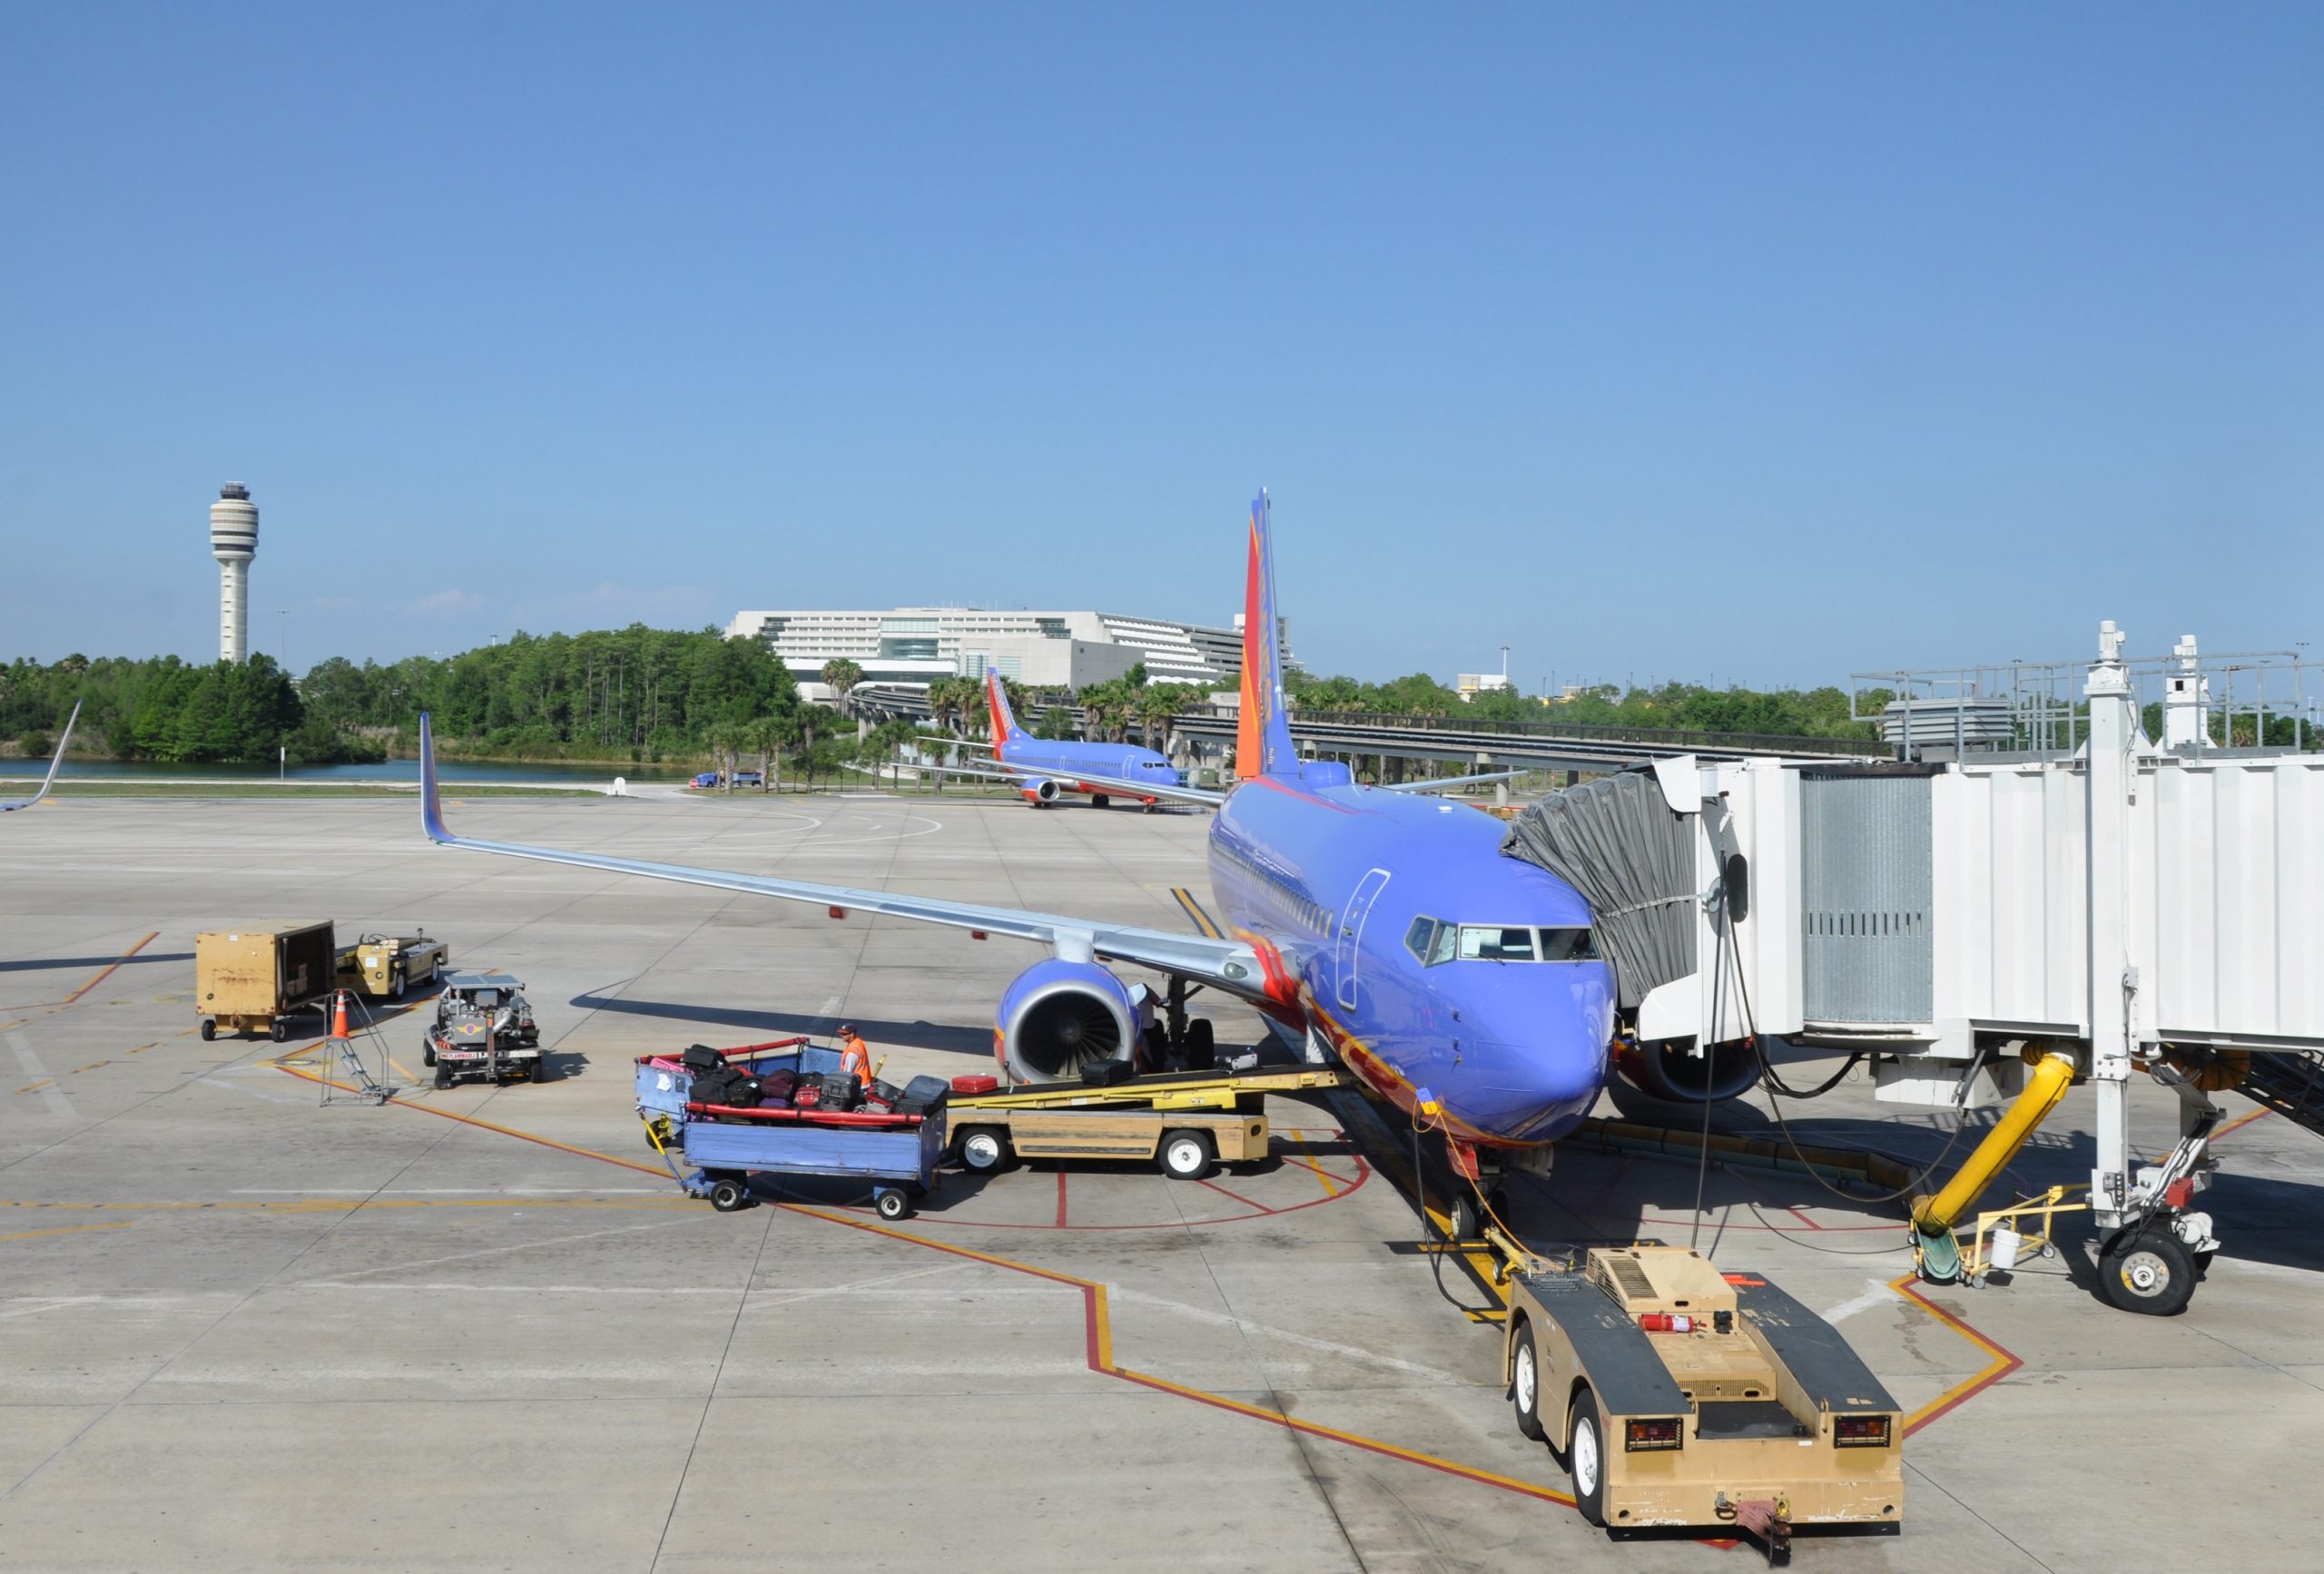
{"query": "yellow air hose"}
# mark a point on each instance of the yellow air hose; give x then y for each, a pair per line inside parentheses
(1934, 1216)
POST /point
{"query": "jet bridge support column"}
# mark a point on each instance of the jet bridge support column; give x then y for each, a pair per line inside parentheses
(2112, 981)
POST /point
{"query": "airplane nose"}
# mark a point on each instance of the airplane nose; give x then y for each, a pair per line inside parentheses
(1557, 1040)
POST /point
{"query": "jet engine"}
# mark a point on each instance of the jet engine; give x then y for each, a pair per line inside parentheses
(1059, 1016)
(1677, 1073)
(1040, 794)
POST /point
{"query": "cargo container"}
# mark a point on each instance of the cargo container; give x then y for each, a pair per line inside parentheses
(249, 979)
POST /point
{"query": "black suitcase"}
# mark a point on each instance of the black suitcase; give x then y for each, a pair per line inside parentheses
(701, 1058)
(1106, 1073)
(923, 1096)
(840, 1090)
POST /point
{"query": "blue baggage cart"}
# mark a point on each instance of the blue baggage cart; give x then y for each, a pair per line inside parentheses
(723, 1149)
(664, 1085)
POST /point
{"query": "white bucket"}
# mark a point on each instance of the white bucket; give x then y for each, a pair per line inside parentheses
(2002, 1255)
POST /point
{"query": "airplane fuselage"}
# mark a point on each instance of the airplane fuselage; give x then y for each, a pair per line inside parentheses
(1066, 762)
(1338, 878)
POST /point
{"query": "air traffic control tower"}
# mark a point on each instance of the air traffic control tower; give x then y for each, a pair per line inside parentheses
(234, 542)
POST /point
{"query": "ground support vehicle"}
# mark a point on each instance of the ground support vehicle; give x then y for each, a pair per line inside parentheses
(484, 1028)
(388, 965)
(1186, 1122)
(249, 980)
(1683, 1396)
(664, 1087)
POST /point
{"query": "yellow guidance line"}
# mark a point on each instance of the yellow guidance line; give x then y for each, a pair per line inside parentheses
(1202, 920)
(68, 1230)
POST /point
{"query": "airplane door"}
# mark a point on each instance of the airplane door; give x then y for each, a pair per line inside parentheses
(1351, 935)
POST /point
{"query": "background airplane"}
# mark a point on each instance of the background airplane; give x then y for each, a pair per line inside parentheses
(1044, 769)
(1383, 927)
(54, 761)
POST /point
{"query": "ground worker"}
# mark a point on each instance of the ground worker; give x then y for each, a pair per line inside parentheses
(855, 1055)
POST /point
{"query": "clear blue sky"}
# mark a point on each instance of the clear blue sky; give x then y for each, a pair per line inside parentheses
(1769, 341)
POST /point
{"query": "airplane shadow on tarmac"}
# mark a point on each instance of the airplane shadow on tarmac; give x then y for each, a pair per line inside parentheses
(951, 1039)
(42, 964)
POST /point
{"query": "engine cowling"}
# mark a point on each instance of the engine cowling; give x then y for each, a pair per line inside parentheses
(1675, 1073)
(1058, 1017)
(1040, 793)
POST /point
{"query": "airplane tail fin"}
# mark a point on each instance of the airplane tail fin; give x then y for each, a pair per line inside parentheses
(1262, 728)
(1004, 720)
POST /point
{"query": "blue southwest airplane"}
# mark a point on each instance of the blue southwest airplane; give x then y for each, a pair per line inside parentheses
(1040, 769)
(54, 761)
(1387, 929)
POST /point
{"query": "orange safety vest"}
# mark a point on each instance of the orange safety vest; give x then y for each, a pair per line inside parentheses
(855, 1057)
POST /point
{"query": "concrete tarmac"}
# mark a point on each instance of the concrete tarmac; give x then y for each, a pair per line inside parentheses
(477, 1328)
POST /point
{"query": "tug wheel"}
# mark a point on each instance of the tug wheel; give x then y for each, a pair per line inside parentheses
(1586, 1457)
(729, 1196)
(1525, 1385)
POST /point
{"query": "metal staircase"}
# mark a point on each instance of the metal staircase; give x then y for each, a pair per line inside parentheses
(2292, 1085)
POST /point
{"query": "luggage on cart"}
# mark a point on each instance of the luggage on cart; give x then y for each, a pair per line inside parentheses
(841, 1091)
(922, 1094)
(728, 1086)
(699, 1059)
(777, 1087)
(1106, 1073)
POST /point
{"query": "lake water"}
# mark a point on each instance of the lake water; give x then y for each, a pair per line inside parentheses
(549, 773)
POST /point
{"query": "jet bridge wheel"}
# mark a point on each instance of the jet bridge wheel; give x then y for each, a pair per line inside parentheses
(2148, 1269)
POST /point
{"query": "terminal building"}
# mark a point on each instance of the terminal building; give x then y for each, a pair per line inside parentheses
(918, 645)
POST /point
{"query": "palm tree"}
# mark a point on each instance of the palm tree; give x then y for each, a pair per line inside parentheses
(812, 720)
(1158, 703)
(724, 739)
(841, 675)
(768, 735)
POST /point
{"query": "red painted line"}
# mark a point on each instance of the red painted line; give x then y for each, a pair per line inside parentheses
(1363, 1173)
(107, 973)
(1060, 1199)
(1222, 1191)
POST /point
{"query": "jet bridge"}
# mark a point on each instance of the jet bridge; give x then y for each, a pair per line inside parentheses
(2148, 910)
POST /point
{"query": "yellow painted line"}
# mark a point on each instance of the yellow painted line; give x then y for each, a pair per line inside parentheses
(68, 1230)
(1330, 1186)
(36, 1087)
(1195, 913)
(91, 1065)
(106, 971)
(2002, 1364)
(401, 1069)
(2241, 1121)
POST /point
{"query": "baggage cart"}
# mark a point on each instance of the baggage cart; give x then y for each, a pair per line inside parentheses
(385, 966)
(713, 1150)
(249, 980)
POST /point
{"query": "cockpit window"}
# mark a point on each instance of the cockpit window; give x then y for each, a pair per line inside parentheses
(1568, 946)
(1516, 943)
(1416, 938)
(1495, 943)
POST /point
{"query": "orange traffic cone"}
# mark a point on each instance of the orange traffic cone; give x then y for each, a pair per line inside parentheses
(339, 1015)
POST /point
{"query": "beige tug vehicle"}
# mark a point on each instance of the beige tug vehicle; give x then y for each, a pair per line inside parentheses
(1683, 1396)
(385, 966)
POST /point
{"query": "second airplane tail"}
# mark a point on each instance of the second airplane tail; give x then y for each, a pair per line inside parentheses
(1004, 719)
(1262, 729)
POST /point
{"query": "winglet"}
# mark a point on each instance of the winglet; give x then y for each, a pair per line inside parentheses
(1262, 728)
(54, 761)
(431, 811)
(1004, 719)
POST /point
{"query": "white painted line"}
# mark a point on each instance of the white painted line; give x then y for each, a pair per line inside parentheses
(254, 1093)
(1353, 1352)
(1876, 1294)
(51, 1095)
(487, 1252)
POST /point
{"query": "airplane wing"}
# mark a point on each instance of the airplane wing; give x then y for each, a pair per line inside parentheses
(1445, 782)
(1227, 964)
(1201, 795)
(58, 759)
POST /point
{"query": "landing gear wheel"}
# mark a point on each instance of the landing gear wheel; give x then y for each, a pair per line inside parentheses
(1468, 1223)
(209, 1029)
(1098, 801)
(1586, 1457)
(1525, 1386)
(2148, 1269)
(1185, 1154)
(892, 1205)
(1202, 1045)
(729, 1196)
(279, 1031)
(1154, 1053)
(1497, 1201)
(983, 1150)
